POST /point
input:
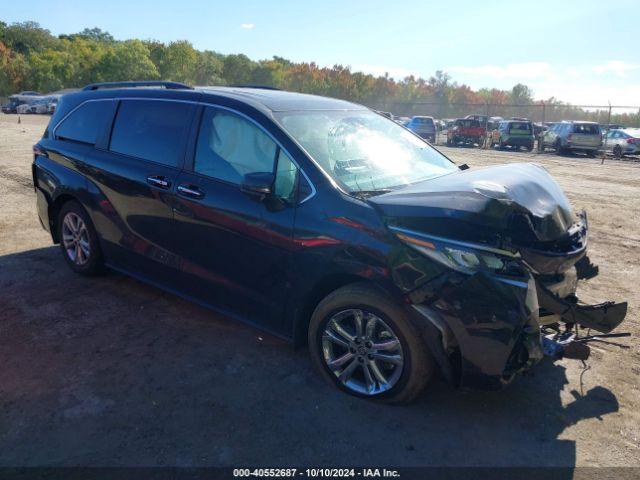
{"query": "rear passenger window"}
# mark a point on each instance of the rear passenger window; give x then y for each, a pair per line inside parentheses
(86, 122)
(229, 147)
(151, 130)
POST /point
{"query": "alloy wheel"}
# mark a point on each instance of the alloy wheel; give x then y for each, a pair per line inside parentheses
(362, 351)
(75, 239)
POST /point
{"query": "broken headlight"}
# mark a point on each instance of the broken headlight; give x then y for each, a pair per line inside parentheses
(462, 256)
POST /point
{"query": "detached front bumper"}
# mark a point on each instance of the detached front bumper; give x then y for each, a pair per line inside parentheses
(484, 330)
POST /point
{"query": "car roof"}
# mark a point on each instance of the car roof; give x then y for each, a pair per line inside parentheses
(281, 100)
(263, 99)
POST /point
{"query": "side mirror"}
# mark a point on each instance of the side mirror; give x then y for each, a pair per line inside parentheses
(259, 184)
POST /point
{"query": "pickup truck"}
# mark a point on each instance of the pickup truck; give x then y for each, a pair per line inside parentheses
(466, 130)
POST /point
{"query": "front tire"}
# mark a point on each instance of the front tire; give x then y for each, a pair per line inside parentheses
(79, 242)
(363, 343)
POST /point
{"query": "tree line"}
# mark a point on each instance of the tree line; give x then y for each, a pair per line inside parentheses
(31, 58)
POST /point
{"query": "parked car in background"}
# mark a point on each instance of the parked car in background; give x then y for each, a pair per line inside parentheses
(44, 105)
(14, 102)
(482, 119)
(538, 128)
(573, 136)
(424, 127)
(324, 223)
(23, 108)
(493, 123)
(402, 120)
(515, 134)
(466, 130)
(622, 142)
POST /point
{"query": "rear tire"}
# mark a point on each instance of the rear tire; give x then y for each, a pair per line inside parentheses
(394, 328)
(591, 153)
(617, 151)
(79, 242)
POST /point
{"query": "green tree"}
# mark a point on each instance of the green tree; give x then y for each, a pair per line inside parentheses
(521, 95)
(178, 62)
(128, 60)
(49, 70)
(27, 37)
(238, 69)
(13, 70)
(208, 70)
(96, 34)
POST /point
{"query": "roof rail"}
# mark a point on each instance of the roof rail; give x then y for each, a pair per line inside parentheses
(131, 84)
(262, 87)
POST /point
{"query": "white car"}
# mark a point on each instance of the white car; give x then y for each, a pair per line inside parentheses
(22, 109)
(43, 105)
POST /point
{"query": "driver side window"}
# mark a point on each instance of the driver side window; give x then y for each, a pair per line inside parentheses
(230, 147)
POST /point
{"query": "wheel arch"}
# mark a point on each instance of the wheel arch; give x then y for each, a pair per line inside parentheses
(54, 210)
(316, 294)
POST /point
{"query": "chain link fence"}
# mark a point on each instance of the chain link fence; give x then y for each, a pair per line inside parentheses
(628, 115)
(541, 113)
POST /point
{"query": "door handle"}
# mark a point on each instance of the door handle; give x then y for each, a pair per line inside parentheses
(190, 191)
(158, 181)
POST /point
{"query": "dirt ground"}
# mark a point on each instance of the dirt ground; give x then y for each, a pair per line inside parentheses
(112, 372)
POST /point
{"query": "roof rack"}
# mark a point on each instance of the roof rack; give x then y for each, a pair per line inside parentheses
(130, 84)
(262, 87)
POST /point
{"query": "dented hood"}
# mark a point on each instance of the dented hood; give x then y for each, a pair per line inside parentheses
(516, 203)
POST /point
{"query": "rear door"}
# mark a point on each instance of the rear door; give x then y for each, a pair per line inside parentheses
(135, 175)
(235, 249)
(586, 135)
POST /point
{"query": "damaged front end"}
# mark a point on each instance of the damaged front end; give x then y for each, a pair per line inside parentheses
(491, 273)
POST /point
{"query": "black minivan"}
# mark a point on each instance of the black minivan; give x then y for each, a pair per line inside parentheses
(323, 222)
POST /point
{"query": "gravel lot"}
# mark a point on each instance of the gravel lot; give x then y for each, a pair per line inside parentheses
(113, 372)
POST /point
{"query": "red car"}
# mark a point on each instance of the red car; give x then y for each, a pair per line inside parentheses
(466, 130)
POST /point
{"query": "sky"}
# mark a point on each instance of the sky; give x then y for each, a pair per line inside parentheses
(584, 52)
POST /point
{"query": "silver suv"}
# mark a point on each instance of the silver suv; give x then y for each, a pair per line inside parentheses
(565, 137)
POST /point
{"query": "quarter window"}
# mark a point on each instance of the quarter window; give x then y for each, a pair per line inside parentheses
(286, 177)
(151, 130)
(85, 123)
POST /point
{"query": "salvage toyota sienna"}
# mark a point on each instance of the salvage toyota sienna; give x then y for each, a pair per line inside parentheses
(323, 222)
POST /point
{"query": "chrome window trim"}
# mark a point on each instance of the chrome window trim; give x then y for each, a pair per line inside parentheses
(205, 104)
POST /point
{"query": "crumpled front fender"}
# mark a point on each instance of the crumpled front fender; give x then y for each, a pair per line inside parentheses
(494, 327)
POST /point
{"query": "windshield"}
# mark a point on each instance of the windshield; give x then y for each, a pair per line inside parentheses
(364, 151)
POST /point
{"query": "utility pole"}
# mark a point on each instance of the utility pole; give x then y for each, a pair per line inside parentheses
(486, 125)
(604, 153)
(544, 112)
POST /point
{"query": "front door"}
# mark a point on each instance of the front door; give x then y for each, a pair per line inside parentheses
(234, 247)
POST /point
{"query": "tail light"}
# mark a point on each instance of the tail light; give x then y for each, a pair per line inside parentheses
(632, 140)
